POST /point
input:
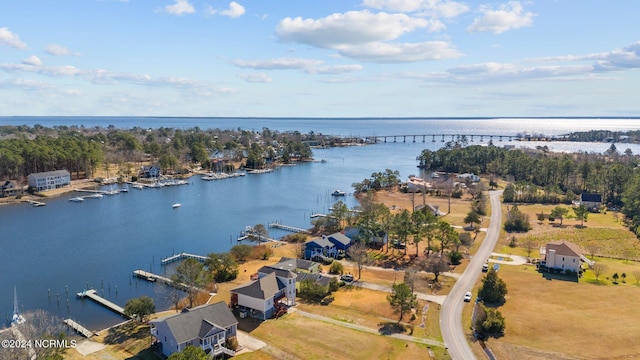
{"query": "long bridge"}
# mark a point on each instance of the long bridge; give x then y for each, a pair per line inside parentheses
(451, 137)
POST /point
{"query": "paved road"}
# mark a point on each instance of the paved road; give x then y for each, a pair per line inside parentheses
(451, 327)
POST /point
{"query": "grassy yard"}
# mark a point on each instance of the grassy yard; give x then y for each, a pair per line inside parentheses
(305, 338)
(549, 317)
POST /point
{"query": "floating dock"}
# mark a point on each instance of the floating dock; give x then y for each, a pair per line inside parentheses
(182, 256)
(294, 229)
(79, 328)
(93, 295)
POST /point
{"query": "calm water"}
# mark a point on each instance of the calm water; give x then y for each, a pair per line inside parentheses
(99, 242)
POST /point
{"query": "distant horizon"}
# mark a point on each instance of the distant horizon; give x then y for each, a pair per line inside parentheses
(331, 117)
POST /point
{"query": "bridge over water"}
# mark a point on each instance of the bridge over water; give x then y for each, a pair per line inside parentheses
(453, 137)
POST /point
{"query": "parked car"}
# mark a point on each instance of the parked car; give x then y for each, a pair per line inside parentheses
(467, 296)
(347, 278)
(485, 267)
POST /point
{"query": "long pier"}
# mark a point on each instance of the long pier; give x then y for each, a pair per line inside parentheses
(294, 229)
(78, 328)
(93, 295)
(181, 256)
(261, 238)
(155, 277)
(35, 203)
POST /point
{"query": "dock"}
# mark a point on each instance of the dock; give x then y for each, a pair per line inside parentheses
(262, 238)
(182, 256)
(313, 216)
(155, 277)
(35, 203)
(294, 229)
(93, 295)
(79, 328)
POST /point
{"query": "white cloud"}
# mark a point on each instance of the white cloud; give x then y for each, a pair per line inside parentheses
(11, 39)
(235, 10)
(32, 60)
(334, 69)
(180, 7)
(256, 78)
(277, 64)
(401, 53)
(431, 8)
(353, 27)
(506, 17)
(57, 50)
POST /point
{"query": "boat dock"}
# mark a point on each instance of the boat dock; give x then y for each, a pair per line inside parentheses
(92, 191)
(155, 277)
(93, 295)
(313, 216)
(35, 203)
(78, 328)
(182, 256)
(294, 229)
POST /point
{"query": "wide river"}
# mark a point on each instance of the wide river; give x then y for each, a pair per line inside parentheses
(49, 253)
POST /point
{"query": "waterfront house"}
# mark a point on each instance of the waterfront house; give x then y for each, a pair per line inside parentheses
(150, 172)
(377, 240)
(9, 188)
(208, 327)
(563, 255)
(340, 241)
(266, 297)
(319, 249)
(319, 279)
(469, 176)
(49, 180)
(591, 201)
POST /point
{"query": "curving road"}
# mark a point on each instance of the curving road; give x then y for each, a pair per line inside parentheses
(453, 333)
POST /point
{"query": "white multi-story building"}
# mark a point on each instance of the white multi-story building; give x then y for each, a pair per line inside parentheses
(49, 180)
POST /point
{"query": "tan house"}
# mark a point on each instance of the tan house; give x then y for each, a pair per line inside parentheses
(563, 255)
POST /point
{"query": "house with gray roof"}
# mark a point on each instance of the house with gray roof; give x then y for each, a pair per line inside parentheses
(298, 265)
(341, 242)
(268, 296)
(49, 180)
(207, 327)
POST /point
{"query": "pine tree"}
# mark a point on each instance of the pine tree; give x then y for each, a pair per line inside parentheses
(493, 288)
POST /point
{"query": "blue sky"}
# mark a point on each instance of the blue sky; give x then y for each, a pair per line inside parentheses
(319, 58)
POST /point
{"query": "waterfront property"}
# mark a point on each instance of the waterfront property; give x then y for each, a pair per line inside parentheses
(49, 180)
(208, 327)
(266, 297)
(9, 188)
(377, 240)
(150, 172)
(563, 255)
(340, 241)
(319, 249)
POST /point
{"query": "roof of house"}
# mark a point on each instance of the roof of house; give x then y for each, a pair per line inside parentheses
(51, 173)
(563, 247)
(299, 263)
(197, 322)
(339, 237)
(590, 197)
(282, 270)
(263, 288)
(321, 242)
(319, 279)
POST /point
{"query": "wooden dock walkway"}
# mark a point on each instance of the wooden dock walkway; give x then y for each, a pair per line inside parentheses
(155, 277)
(93, 295)
(181, 256)
(262, 238)
(313, 216)
(78, 328)
(294, 229)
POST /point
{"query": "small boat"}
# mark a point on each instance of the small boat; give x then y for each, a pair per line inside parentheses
(124, 189)
(96, 196)
(176, 205)
(17, 318)
(77, 199)
(338, 193)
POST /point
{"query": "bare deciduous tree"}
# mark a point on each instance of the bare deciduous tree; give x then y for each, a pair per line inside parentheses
(358, 254)
(598, 269)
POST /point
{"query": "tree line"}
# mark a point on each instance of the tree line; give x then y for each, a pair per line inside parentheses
(80, 150)
(540, 176)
